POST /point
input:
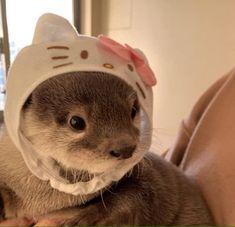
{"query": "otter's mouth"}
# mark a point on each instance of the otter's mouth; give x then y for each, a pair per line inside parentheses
(74, 175)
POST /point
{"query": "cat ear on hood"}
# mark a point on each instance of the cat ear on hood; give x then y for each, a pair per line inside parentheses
(53, 28)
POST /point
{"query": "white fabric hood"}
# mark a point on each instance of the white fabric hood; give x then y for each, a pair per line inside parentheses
(54, 36)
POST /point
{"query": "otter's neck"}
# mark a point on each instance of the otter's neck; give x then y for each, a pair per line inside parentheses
(31, 195)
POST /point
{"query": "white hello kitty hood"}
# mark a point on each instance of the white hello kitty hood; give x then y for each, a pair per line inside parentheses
(57, 49)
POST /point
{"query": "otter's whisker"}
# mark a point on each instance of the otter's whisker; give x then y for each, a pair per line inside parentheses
(83, 175)
(76, 176)
(82, 199)
(33, 213)
(73, 176)
(138, 170)
(129, 174)
(66, 173)
(102, 199)
(90, 176)
(107, 188)
(147, 158)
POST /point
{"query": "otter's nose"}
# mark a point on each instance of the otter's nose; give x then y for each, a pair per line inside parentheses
(123, 153)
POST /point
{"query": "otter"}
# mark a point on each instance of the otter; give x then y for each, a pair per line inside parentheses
(87, 122)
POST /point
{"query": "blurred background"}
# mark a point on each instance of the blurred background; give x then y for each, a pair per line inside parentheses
(189, 43)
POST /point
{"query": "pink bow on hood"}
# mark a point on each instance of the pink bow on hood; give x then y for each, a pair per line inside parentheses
(128, 53)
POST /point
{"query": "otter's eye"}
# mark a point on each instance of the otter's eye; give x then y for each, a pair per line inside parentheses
(77, 123)
(135, 109)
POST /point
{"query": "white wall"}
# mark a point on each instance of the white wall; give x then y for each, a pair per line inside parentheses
(189, 43)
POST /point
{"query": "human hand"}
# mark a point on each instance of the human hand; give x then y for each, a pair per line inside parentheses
(28, 222)
(17, 222)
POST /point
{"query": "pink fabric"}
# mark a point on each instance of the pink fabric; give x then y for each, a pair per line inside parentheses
(205, 148)
(128, 53)
(115, 47)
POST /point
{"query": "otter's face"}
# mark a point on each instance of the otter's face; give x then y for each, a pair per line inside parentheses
(85, 121)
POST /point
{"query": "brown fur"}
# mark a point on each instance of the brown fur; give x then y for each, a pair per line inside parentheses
(154, 193)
